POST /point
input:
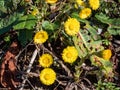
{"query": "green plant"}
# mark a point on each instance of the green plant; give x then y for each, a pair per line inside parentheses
(106, 86)
(113, 24)
(90, 33)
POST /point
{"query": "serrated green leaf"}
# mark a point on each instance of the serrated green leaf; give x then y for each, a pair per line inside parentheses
(115, 22)
(113, 31)
(87, 42)
(94, 59)
(103, 18)
(82, 52)
(105, 65)
(26, 22)
(86, 36)
(92, 31)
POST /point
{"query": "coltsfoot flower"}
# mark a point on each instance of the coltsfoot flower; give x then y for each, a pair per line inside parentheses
(47, 76)
(84, 13)
(40, 37)
(51, 1)
(72, 26)
(35, 12)
(70, 54)
(80, 2)
(106, 54)
(46, 60)
(94, 4)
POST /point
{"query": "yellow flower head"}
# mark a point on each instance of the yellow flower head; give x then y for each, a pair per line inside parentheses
(72, 26)
(46, 60)
(94, 4)
(86, 12)
(47, 76)
(106, 54)
(80, 2)
(51, 1)
(40, 37)
(35, 12)
(69, 54)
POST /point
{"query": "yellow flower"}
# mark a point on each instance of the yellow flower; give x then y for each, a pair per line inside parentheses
(35, 12)
(47, 76)
(40, 37)
(51, 1)
(72, 26)
(86, 12)
(94, 4)
(80, 2)
(69, 54)
(106, 54)
(46, 60)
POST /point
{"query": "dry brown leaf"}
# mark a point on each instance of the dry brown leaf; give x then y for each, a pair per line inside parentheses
(9, 70)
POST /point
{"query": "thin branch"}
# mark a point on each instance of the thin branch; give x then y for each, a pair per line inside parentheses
(30, 84)
(33, 74)
(63, 66)
(29, 68)
(61, 82)
(70, 86)
(22, 50)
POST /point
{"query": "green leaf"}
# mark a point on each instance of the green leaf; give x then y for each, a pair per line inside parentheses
(26, 22)
(115, 22)
(87, 42)
(93, 31)
(2, 6)
(25, 36)
(82, 52)
(103, 18)
(95, 46)
(105, 65)
(95, 60)
(114, 27)
(7, 23)
(113, 31)
(56, 25)
(48, 25)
